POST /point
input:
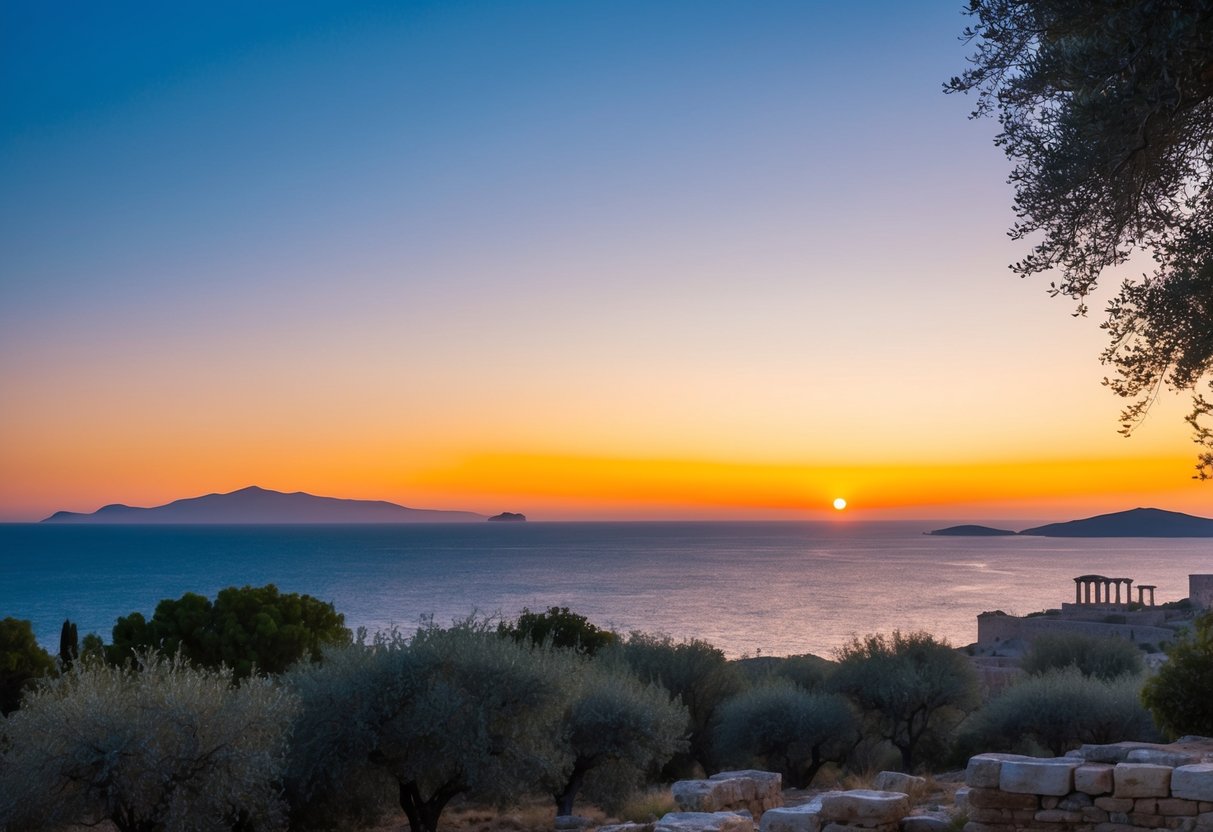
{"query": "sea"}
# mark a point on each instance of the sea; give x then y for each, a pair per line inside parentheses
(759, 588)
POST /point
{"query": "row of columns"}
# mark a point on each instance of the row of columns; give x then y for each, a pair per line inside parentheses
(1097, 589)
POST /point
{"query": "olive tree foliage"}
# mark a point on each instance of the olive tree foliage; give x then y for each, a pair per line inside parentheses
(446, 713)
(1106, 113)
(22, 661)
(911, 689)
(155, 745)
(558, 627)
(1179, 694)
(1061, 709)
(694, 672)
(615, 729)
(1103, 658)
(243, 628)
(782, 727)
(807, 671)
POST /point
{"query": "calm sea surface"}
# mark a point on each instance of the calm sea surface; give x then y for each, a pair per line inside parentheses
(778, 588)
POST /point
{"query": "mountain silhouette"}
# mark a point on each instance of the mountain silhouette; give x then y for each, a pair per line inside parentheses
(254, 505)
(1137, 522)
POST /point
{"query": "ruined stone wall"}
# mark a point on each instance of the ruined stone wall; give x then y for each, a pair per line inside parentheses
(1200, 590)
(1013, 793)
(995, 629)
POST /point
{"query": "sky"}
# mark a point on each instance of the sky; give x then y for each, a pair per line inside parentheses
(581, 260)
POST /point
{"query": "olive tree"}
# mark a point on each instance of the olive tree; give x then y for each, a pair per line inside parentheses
(1062, 709)
(1103, 658)
(22, 661)
(693, 671)
(912, 689)
(153, 746)
(782, 727)
(1106, 112)
(1178, 695)
(446, 713)
(559, 627)
(614, 730)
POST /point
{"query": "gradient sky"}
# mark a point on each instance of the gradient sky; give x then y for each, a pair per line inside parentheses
(623, 259)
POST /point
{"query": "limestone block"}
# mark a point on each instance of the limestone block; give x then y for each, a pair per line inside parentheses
(991, 815)
(983, 769)
(1146, 805)
(961, 799)
(1115, 804)
(1057, 816)
(628, 827)
(1115, 826)
(1089, 815)
(994, 799)
(1141, 780)
(1160, 757)
(1193, 782)
(848, 827)
(1049, 802)
(865, 806)
(923, 823)
(897, 781)
(704, 822)
(1075, 801)
(1145, 819)
(1178, 807)
(973, 826)
(803, 818)
(1049, 776)
(1093, 778)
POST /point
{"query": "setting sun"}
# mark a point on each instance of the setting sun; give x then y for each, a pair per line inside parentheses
(840, 503)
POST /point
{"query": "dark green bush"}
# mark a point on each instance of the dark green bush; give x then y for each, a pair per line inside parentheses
(782, 727)
(806, 671)
(21, 662)
(911, 689)
(558, 627)
(1061, 709)
(1180, 695)
(1103, 658)
(244, 628)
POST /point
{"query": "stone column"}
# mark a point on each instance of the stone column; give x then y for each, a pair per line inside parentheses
(1118, 590)
(1077, 591)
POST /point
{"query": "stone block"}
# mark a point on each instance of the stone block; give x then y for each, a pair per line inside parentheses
(1141, 780)
(1161, 757)
(994, 799)
(1075, 801)
(983, 769)
(1118, 817)
(897, 781)
(923, 823)
(1093, 815)
(991, 815)
(803, 818)
(1178, 807)
(975, 826)
(961, 799)
(1049, 802)
(1057, 816)
(704, 822)
(628, 827)
(1115, 804)
(865, 806)
(1146, 805)
(1093, 778)
(850, 827)
(1193, 782)
(1115, 826)
(1146, 819)
(1050, 776)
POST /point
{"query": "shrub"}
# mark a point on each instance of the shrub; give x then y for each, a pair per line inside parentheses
(1103, 658)
(244, 628)
(560, 628)
(614, 729)
(781, 727)
(1062, 709)
(693, 671)
(158, 746)
(21, 662)
(912, 689)
(1178, 696)
(807, 671)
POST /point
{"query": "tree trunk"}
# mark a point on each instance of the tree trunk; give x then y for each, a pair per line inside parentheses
(565, 798)
(423, 813)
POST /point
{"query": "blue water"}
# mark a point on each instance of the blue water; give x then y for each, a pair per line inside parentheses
(778, 588)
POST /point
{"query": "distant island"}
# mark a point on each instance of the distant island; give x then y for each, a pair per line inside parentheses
(508, 517)
(972, 531)
(1137, 522)
(255, 506)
